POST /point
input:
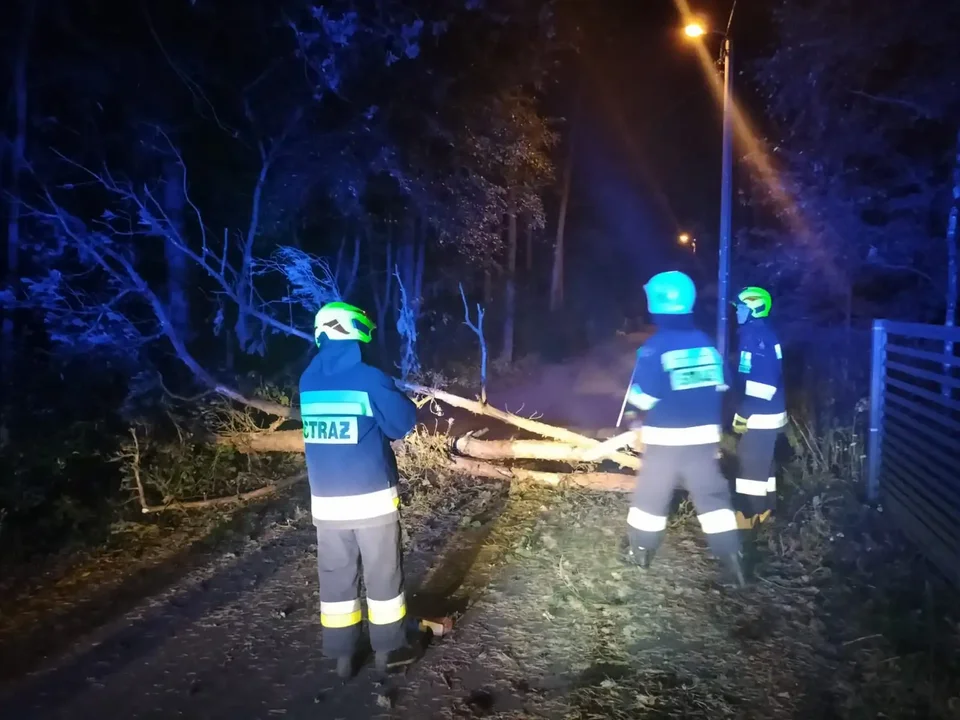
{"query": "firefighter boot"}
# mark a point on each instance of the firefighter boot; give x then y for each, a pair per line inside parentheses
(641, 557)
(733, 570)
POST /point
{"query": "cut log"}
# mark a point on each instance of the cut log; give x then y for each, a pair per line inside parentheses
(251, 443)
(226, 500)
(478, 408)
(534, 450)
(607, 482)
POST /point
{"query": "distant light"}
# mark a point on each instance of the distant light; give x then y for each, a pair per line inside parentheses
(695, 29)
(684, 238)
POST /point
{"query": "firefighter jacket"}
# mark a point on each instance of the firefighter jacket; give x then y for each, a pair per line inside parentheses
(762, 402)
(351, 411)
(678, 380)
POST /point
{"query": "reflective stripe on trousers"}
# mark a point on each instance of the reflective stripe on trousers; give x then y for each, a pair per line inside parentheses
(676, 437)
(355, 507)
(340, 555)
(642, 520)
(695, 468)
(384, 612)
(718, 521)
(340, 614)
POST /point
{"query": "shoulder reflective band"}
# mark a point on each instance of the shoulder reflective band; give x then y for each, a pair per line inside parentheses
(746, 360)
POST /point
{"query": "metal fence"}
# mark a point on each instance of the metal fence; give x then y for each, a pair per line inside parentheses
(914, 446)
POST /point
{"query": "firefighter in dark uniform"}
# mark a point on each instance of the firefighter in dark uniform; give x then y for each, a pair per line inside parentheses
(761, 412)
(678, 382)
(351, 411)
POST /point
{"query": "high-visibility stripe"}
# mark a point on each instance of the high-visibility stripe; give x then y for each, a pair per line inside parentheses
(778, 351)
(699, 435)
(718, 521)
(759, 390)
(757, 488)
(772, 484)
(645, 522)
(767, 422)
(355, 507)
(384, 612)
(335, 402)
(640, 399)
(340, 614)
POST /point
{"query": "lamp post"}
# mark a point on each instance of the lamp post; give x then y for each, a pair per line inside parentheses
(695, 30)
(687, 240)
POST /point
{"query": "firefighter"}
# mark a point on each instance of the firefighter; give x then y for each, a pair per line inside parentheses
(761, 412)
(678, 381)
(351, 411)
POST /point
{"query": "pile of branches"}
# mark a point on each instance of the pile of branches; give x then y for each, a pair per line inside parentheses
(471, 455)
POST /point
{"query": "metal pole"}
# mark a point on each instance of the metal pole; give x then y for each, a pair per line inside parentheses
(877, 377)
(726, 200)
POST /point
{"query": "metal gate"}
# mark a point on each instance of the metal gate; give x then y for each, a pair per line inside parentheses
(914, 446)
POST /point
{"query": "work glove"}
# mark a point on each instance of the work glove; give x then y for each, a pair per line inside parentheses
(739, 424)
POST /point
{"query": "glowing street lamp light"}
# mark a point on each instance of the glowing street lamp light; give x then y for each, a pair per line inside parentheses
(695, 30)
(684, 238)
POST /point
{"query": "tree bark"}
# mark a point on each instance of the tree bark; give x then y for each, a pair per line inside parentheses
(178, 270)
(529, 248)
(533, 450)
(510, 294)
(607, 482)
(559, 249)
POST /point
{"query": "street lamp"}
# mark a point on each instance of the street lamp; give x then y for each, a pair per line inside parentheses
(695, 30)
(687, 240)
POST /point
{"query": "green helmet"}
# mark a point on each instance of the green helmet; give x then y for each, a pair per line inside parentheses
(342, 321)
(757, 299)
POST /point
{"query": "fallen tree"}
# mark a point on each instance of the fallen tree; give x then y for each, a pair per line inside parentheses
(605, 481)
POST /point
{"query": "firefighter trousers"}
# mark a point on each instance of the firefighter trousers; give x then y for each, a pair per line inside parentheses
(340, 555)
(756, 483)
(695, 468)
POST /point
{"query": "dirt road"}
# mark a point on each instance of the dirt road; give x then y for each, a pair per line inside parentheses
(550, 623)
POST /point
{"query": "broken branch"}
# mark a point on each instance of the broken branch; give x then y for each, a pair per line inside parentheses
(213, 502)
(532, 426)
(607, 482)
